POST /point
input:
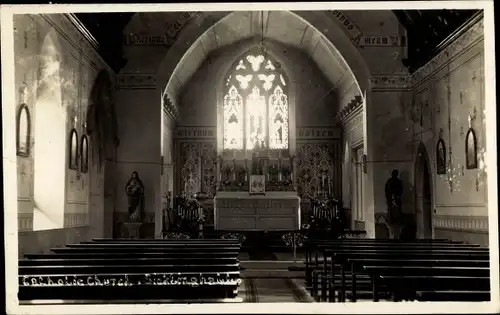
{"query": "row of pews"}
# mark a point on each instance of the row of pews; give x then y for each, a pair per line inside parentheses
(387, 269)
(132, 271)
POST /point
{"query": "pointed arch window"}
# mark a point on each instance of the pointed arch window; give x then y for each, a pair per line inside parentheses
(255, 104)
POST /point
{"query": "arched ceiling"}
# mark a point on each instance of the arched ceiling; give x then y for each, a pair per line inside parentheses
(426, 30)
(280, 26)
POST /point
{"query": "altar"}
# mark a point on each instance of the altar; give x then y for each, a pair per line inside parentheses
(240, 211)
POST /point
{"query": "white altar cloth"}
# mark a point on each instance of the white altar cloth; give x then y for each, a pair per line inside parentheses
(274, 211)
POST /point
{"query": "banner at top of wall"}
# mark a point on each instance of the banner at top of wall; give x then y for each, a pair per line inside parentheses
(195, 132)
(167, 39)
(318, 133)
(348, 25)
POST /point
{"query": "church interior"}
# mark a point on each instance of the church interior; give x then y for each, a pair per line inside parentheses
(251, 156)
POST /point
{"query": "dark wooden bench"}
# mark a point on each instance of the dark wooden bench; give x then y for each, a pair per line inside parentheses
(453, 295)
(321, 268)
(102, 286)
(110, 260)
(405, 281)
(376, 246)
(156, 240)
(127, 254)
(473, 256)
(145, 270)
(312, 250)
(352, 266)
(340, 259)
(135, 249)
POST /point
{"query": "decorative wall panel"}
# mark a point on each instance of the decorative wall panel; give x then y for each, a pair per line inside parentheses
(315, 160)
(197, 167)
(209, 167)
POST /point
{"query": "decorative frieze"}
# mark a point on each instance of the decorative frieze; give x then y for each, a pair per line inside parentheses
(470, 37)
(76, 219)
(461, 223)
(136, 81)
(382, 41)
(317, 133)
(25, 221)
(195, 133)
(347, 110)
(391, 82)
(170, 108)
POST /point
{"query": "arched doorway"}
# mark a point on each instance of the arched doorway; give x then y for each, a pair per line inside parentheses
(423, 194)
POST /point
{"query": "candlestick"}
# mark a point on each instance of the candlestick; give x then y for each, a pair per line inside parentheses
(246, 170)
(234, 168)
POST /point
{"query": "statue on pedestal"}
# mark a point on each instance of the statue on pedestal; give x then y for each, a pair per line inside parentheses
(136, 201)
(393, 192)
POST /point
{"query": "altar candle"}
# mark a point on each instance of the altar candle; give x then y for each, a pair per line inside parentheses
(200, 212)
(279, 169)
(246, 171)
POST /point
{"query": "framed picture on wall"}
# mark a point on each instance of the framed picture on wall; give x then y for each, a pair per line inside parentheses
(471, 149)
(73, 149)
(441, 157)
(84, 154)
(23, 131)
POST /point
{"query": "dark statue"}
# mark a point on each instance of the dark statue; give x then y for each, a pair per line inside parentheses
(135, 193)
(393, 192)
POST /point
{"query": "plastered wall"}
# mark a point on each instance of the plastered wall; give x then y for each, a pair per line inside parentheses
(43, 44)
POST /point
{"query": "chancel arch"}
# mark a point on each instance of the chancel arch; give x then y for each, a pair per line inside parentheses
(210, 31)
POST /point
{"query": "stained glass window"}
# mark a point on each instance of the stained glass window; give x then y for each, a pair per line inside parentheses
(255, 105)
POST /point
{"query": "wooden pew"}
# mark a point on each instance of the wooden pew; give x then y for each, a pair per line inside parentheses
(110, 260)
(170, 271)
(369, 246)
(417, 251)
(159, 240)
(139, 254)
(311, 246)
(453, 295)
(376, 247)
(389, 254)
(404, 281)
(101, 286)
(134, 249)
(351, 264)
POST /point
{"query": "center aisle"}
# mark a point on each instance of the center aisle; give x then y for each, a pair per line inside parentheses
(273, 291)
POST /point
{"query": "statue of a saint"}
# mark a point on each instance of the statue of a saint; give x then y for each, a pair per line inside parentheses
(135, 192)
(393, 192)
